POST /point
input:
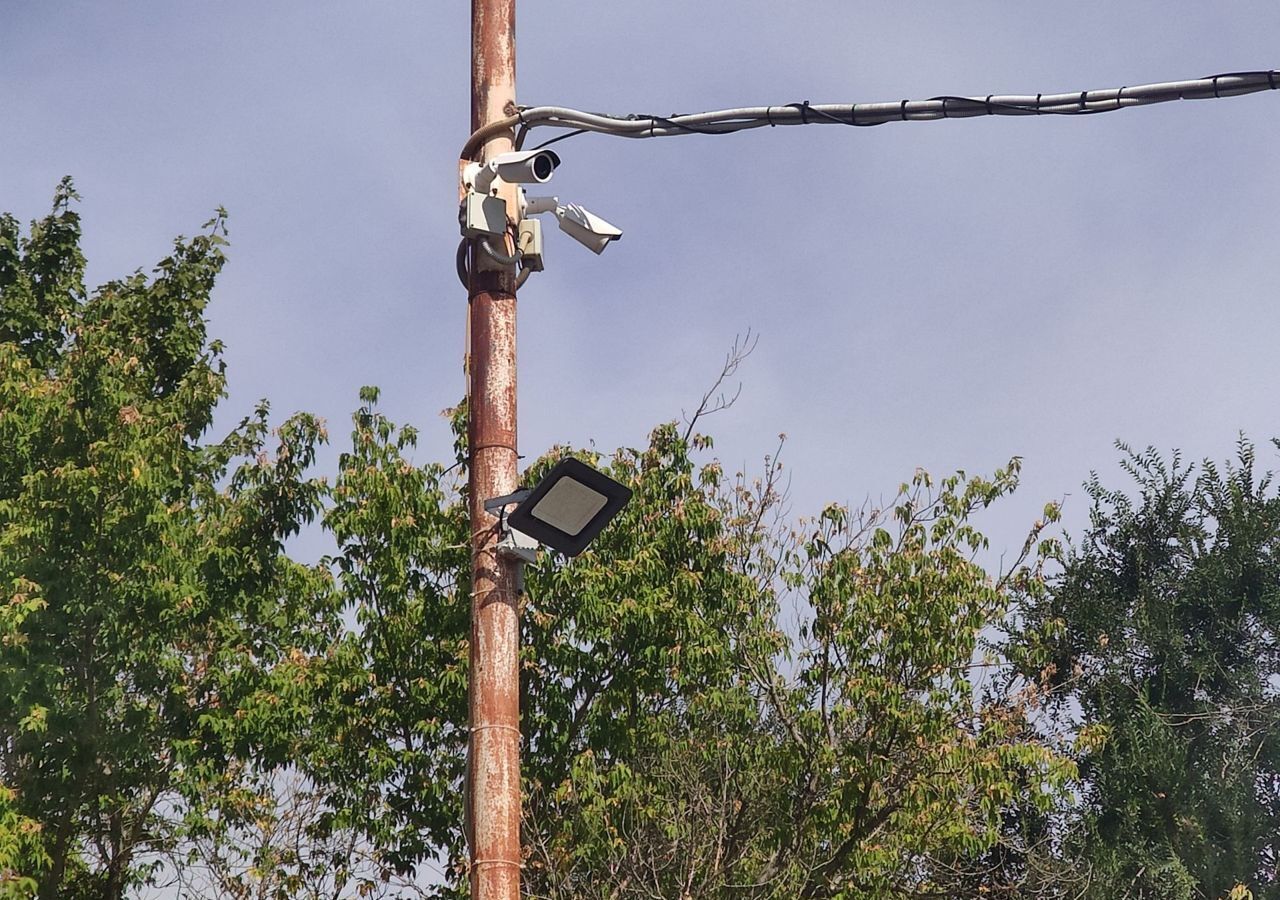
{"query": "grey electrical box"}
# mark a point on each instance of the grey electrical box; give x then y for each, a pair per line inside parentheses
(483, 215)
(530, 244)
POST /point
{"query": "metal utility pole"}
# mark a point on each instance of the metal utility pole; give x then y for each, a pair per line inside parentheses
(493, 764)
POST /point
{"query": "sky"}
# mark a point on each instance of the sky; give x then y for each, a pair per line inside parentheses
(937, 294)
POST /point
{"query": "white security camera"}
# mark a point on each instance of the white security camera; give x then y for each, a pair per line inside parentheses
(582, 225)
(586, 228)
(524, 167)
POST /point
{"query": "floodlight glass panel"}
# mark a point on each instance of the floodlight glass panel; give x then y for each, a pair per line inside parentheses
(569, 506)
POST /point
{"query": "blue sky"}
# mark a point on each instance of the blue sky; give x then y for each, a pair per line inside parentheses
(942, 294)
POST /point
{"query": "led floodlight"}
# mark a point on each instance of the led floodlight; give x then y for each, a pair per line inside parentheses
(569, 507)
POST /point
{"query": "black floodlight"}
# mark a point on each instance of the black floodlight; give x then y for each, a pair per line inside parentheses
(569, 507)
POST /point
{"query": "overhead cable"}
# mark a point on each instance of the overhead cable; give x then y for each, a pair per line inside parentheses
(727, 121)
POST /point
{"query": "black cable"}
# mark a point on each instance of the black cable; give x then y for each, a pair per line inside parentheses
(992, 105)
(672, 123)
(563, 137)
(463, 275)
(806, 109)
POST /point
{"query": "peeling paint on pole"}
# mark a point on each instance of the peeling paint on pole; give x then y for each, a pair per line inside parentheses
(493, 770)
(493, 60)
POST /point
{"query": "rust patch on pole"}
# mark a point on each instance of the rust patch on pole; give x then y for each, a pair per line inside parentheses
(493, 60)
(493, 767)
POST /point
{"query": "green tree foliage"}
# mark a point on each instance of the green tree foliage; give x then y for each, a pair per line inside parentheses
(1162, 638)
(717, 702)
(714, 704)
(843, 756)
(394, 708)
(150, 625)
(21, 853)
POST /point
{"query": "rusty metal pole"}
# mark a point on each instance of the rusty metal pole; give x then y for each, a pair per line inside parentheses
(493, 766)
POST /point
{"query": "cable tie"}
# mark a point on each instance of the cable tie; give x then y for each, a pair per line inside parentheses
(768, 117)
(1038, 96)
(944, 108)
(989, 111)
(804, 112)
(1215, 87)
(1120, 96)
(853, 114)
(1084, 101)
(903, 111)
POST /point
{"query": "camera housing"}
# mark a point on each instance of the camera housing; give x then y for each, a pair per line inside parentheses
(586, 227)
(520, 167)
(575, 220)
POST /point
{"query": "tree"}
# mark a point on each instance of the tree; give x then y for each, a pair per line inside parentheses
(845, 759)
(282, 846)
(679, 740)
(718, 703)
(152, 627)
(21, 854)
(1161, 638)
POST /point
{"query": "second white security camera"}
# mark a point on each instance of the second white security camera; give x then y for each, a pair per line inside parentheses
(586, 227)
(521, 167)
(579, 223)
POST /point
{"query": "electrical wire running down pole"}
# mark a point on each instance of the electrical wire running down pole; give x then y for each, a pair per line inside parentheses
(493, 754)
(727, 121)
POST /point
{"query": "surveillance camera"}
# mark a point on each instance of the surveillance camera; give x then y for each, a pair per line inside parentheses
(525, 167)
(586, 228)
(583, 226)
(528, 167)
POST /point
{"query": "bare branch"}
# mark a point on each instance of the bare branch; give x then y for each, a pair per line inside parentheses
(715, 400)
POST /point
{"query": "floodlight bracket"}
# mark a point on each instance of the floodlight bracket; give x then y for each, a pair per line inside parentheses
(511, 543)
(495, 503)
